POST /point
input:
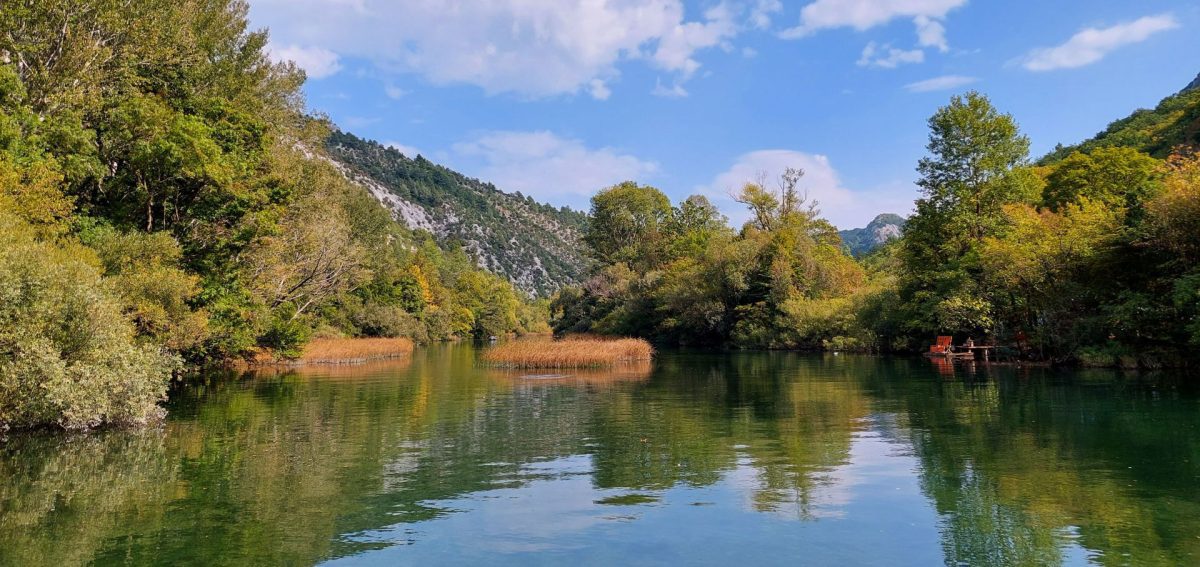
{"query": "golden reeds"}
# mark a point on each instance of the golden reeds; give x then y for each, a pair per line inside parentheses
(587, 352)
(342, 351)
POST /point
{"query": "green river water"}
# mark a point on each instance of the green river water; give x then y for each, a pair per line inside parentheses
(703, 458)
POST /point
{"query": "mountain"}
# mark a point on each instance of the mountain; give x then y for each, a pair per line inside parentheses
(1173, 123)
(534, 245)
(861, 241)
(1195, 84)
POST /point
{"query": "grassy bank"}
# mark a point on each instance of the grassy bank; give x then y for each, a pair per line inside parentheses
(569, 353)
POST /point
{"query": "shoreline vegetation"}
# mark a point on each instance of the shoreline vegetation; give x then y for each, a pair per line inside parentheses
(1088, 257)
(569, 353)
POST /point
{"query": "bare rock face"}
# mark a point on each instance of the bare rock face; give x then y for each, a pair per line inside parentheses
(535, 246)
(885, 227)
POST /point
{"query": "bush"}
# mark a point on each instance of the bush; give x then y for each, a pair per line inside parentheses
(143, 271)
(286, 336)
(376, 320)
(67, 355)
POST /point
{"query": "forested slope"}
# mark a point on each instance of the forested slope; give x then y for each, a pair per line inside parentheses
(535, 246)
(1174, 123)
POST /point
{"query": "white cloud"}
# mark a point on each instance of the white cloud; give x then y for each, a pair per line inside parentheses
(408, 151)
(943, 83)
(317, 62)
(760, 13)
(931, 33)
(821, 183)
(550, 168)
(1092, 44)
(533, 49)
(599, 90)
(866, 14)
(393, 92)
(674, 91)
(675, 48)
(888, 57)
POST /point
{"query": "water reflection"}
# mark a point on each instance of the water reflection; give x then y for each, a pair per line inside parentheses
(707, 458)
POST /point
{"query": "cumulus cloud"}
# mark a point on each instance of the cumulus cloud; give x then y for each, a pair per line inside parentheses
(317, 62)
(532, 49)
(841, 206)
(888, 57)
(563, 171)
(943, 83)
(931, 33)
(676, 46)
(1093, 44)
(866, 14)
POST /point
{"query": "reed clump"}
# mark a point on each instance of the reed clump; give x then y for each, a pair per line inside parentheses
(342, 351)
(575, 352)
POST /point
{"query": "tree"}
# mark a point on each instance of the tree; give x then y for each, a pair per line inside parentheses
(965, 179)
(769, 208)
(628, 223)
(1116, 177)
(974, 168)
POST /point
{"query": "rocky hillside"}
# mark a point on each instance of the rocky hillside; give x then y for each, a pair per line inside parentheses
(534, 245)
(862, 241)
(1174, 123)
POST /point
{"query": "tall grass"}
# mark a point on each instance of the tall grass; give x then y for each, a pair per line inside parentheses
(575, 352)
(343, 351)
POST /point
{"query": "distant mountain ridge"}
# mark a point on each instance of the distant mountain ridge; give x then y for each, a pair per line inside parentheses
(536, 246)
(861, 241)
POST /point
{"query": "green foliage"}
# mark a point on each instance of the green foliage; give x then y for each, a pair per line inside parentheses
(1172, 126)
(967, 176)
(1089, 258)
(67, 355)
(161, 136)
(629, 223)
(1115, 177)
(143, 270)
(680, 275)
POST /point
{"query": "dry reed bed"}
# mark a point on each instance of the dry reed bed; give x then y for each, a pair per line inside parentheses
(344, 351)
(568, 353)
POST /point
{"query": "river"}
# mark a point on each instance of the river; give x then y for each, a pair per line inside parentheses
(701, 458)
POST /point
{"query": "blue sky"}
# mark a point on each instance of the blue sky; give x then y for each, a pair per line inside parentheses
(560, 98)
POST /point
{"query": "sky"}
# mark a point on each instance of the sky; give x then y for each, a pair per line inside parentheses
(558, 99)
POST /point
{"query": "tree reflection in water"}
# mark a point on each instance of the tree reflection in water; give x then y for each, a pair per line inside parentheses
(299, 466)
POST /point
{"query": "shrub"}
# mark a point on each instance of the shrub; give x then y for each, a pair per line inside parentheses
(376, 320)
(68, 357)
(143, 271)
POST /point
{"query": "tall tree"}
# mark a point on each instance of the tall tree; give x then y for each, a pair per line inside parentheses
(966, 178)
(628, 224)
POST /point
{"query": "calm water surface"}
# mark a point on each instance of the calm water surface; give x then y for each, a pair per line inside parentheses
(750, 458)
